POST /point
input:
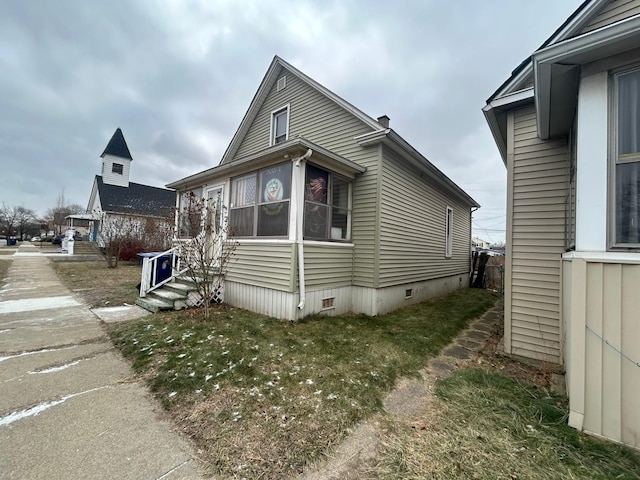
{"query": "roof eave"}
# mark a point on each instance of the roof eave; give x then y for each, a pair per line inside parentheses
(570, 27)
(390, 138)
(556, 69)
(297, 146)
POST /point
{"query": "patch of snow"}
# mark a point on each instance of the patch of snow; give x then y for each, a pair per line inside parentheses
(44, 350)
(54, 369)
(31, 304)
(30, 412)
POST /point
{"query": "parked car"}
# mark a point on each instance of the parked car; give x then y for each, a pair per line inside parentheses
(36, 239)
(57, 240)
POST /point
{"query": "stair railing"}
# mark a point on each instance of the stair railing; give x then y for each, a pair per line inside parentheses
(150, 268)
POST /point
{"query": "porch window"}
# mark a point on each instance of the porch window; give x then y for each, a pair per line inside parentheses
(626, 171)
(279, 126)
(190, 210)
(327, 214)
(260, 203)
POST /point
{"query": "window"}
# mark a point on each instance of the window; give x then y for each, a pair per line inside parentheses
(327, 213)
(116, 168)
(448, 248)
(626, 171)
(280, 126)
(260, 203)
(189, 213)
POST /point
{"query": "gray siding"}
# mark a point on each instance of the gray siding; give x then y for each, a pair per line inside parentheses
(327, 266)
(320, 120)
(412, 227)
(614, 11)
(538, 172)
(268, 265)
(364, 220)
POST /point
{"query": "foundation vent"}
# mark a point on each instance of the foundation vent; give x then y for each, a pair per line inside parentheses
(408, 293)
(328, 303)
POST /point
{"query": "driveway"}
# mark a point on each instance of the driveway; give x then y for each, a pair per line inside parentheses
(69, 408)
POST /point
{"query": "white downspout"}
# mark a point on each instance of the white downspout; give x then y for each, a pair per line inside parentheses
(299, 220)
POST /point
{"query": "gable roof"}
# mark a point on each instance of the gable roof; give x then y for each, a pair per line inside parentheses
(117, 146)
(554, 69)
(277, 64)
(136, 199)
(379, 133)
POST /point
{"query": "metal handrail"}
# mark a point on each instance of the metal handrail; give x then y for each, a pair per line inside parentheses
(149, 266)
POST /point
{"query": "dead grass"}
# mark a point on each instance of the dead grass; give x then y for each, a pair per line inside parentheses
(98, 285)
(486, 425)
(263, 398)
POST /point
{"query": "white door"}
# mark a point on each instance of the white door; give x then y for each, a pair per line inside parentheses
(214, 225)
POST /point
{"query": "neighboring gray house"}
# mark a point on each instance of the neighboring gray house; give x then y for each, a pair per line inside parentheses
(567, 123)
(113, 196)
(333, 211)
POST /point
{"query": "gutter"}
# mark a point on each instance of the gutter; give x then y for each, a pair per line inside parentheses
(299, 219)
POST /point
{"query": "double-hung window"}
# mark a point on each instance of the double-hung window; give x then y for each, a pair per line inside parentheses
(327, 209)
(626, 170)
(260, 203)
(280, 126)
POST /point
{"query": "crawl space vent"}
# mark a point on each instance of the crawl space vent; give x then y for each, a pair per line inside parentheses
(328, 303)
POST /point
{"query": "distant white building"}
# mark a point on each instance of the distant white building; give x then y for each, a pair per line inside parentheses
(479, 244)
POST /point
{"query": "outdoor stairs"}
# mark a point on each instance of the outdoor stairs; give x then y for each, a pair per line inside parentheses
(175, 295)
(86, 248)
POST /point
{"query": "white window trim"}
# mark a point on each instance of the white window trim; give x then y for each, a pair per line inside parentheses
(287, 107)
(448, 233)
(615, 159)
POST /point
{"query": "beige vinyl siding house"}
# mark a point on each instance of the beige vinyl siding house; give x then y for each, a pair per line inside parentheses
(537, 173)
(319, 197)
(571, 145)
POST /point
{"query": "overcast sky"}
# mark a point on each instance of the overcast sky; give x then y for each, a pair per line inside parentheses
(178, 76)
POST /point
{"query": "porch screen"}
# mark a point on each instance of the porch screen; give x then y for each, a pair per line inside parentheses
(326, 206)
(260, 203)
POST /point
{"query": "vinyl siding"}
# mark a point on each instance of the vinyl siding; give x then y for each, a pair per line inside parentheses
(412, 227)
(327, 266)
(268, 265)
(602, 305)
(320, 120)
(538, 172)
(612, 12)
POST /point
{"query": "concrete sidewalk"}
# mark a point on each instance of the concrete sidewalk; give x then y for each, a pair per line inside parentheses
(68, 406)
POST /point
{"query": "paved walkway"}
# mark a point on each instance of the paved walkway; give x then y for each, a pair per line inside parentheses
(69, 408)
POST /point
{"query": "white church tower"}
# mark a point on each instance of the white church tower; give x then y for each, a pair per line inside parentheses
(116, 161)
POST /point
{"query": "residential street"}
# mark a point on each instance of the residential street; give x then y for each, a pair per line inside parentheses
(69, 408)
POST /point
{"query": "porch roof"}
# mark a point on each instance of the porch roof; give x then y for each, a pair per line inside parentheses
(289, 150)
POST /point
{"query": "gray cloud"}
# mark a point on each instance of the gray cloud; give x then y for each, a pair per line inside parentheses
(177, 77)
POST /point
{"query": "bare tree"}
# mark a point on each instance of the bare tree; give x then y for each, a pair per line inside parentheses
(9, 219)
(207, 254)
(116, 233)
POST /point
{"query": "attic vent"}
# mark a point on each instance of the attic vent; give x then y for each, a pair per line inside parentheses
(282, 82)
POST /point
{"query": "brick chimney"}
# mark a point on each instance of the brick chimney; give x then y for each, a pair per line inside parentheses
(384, 121)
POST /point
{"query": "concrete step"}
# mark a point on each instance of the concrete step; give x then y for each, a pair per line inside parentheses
(154, 305)
(179, 287)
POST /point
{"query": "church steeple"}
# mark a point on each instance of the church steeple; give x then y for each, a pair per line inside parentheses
(116, 161)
